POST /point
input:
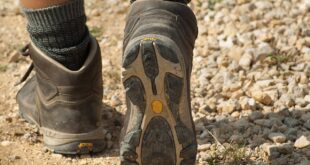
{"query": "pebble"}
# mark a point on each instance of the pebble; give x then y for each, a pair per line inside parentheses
(291, 122)
(275, 150)
(245, 61)
(204, 147)
(263, 122)
(302, 142)
(277, 137)
(307, 124)
(262, 97)
(5, 143)
(256, 115)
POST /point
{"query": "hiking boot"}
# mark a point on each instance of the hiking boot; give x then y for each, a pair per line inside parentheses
(65, 104)
(157, 61)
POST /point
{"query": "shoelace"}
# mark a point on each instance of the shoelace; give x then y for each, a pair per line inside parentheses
(25, 52)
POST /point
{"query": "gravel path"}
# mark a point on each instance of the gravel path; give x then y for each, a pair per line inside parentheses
(250, 83)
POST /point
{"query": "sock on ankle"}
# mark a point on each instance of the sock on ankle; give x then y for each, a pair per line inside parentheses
(61, 32)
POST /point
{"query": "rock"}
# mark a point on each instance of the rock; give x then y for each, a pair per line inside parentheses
(245, 61)
(300, 67)
(291, 134)
(291, 122)
(287, 100)
(57, 156)
(263, 122)
(277, 137)
(256, 115)
(298, 92)
(305, 117)
(14, 56)
(241, 124)
(306, 56)
(235, 114)
(263, 50)
(204, 147)
(226, 44)
(5, 143)
(305, 162)
(302, 142)
(13, 157)
(115, 101)
(307, 124)
(307, 99)
(261, 97)
(237, 139)
(275, 150)
(229, 106)
(235, 53)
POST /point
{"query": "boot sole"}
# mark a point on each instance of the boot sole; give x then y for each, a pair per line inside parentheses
(70, 144)
(157, 92)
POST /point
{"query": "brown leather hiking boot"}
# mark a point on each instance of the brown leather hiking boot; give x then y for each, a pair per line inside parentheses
(157, 61)
(65, 104)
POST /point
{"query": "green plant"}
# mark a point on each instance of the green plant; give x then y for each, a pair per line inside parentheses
(278, 58)
(96, 31)
(228, 153)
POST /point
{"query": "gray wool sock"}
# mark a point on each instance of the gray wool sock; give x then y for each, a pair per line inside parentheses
(61, 32)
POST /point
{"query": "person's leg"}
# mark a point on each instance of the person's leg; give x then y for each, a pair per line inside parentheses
(157, 61)
(58, 28)
(65, 104)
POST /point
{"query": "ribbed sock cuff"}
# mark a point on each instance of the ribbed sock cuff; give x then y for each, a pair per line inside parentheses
(61, 32)
(55, 14)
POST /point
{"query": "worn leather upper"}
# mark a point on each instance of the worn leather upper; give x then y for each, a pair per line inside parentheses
(65, 101)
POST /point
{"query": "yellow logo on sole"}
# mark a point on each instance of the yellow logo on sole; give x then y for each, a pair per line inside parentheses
(157, 106)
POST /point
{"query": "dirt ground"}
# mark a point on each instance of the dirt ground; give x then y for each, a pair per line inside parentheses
(250, 83)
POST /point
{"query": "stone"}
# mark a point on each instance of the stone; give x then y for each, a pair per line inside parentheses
(229, 106)
(14, 56)
(57, 156)
(305, 117)
(302, 142)
(277, 137)
(307, 99)
(241, 124)
(304, 162)
(291, 122)
(115, 101)
(245, 61)
(204, 147)
(291, 134)
(244, 103)
(256, 115)
(298, 92)
(263, 122)
(307, 124)
(287, 100)
(5, 143)
(235, 53)
(263, 50)
(261, 97)
(275, 150)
